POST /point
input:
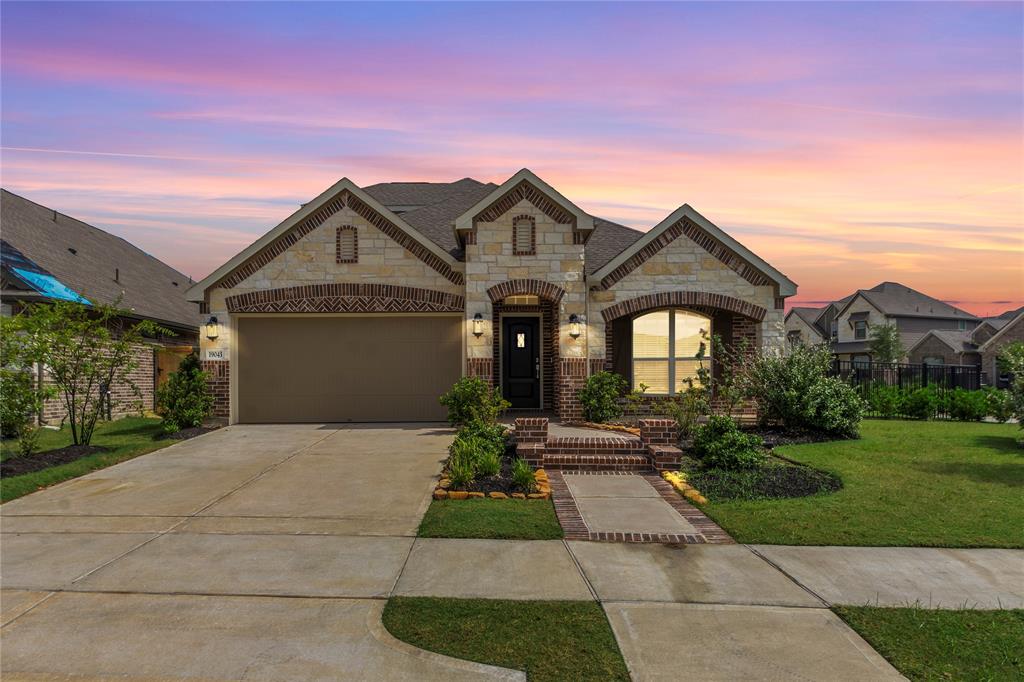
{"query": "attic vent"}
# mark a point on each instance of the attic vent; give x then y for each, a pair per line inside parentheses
(174, 283)
(347, 245)
(524, 236)
(73, 250)
(117, 275)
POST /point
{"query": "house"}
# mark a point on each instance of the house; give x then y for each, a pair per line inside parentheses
(368, 302)
(1009, 330)
(846, 324)
(46, 255)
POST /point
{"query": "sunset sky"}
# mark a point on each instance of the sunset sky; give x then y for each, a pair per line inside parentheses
(846, 144)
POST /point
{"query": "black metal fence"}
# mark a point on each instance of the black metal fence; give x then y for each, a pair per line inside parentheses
(909, 376)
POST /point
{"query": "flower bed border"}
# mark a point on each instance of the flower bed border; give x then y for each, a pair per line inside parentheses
(441, 491)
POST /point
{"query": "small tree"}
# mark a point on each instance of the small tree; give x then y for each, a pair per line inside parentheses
(185, 399)
(86, 349)
(885, 343)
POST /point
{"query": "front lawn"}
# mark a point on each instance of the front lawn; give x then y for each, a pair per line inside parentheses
(909, 483)
(944, 645)
(123, 439)
(550, 640)
(501, 519)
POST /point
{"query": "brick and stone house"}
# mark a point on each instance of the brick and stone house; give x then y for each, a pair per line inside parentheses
(369, 302)
(46, 255)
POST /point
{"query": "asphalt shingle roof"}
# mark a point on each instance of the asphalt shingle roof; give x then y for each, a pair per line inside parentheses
(432, 207)
(893, 298)
(149, 287)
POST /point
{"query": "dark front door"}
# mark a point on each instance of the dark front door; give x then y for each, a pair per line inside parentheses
(521, 361)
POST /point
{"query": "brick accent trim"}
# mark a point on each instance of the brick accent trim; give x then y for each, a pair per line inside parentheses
(344, 231)
(525, 190)
(482, 368)
(685, 226)
(332, 206)
(218, 375)
(518, 223)
(572, 375)
(344, 297)
(683, 299)
(536, 287)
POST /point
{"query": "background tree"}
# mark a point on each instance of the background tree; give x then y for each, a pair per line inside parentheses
(85, 349)
(885, 343)
(1011, 361)
(21, 396)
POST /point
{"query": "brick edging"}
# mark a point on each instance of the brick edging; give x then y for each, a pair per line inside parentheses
(711, 531)
(569, 517)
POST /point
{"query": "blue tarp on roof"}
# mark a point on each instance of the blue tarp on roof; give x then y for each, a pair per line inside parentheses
(50, 286)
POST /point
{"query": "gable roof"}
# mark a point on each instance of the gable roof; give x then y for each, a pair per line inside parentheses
(1007, 327)
(807, 314)
(309, 211)
(584, 221)
(956, 340)
(898, 300)
(84, 259)
(786, 287)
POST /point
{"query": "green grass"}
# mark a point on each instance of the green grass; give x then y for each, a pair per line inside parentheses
(501, 519)
(944, 645)
(929, 484)
(123, 438)
(550, 640)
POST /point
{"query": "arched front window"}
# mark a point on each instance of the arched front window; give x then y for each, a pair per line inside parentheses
(668, 348)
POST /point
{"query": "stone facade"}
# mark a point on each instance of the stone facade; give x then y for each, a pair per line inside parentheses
(800, 332)
(309, 270)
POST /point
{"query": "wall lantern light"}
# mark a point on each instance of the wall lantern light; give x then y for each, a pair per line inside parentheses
(574, 326)
(478, 325)
(212, 328)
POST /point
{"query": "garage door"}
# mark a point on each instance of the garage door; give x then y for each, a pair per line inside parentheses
(339, 369)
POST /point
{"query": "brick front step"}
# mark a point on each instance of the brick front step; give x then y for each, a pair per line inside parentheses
(574, 445)
(574, 462)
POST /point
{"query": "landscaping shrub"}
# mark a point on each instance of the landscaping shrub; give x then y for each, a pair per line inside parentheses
(921, 403)
(600, 396)
(885, 401)
(968, 406)
(833, 406)
(488, 463)
(999, 404)
(461, 469)
(1011, 361)
(185, 400)
(794, 390)
(769, 482)
(522, 474)
(687, 409)
(472, 399)
(721, 445)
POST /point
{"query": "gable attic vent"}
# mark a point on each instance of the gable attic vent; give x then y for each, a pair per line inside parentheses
(117, 275)
(73, 250)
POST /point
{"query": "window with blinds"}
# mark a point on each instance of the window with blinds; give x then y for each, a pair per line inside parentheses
(524, 236)
(347, 245)
(669, 347)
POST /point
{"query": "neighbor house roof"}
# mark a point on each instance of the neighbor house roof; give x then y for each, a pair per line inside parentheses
(89, 262)
(958, 341)
(808, 315)
(1019, 319)
(898, 300)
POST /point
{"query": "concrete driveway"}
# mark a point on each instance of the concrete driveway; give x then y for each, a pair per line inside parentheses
(255, 552)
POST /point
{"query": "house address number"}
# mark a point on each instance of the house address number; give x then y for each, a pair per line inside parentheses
(216, 354)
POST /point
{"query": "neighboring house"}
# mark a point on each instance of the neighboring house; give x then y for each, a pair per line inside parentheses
(369, 302)
(847, 324)
(46, 255)
(1009, 331)
(801, 326)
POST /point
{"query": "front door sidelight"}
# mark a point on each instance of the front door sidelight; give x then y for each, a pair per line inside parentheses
(521, 361)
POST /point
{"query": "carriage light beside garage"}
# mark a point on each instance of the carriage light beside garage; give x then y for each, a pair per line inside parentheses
(574, 326)
(478, 325)
(212, 328)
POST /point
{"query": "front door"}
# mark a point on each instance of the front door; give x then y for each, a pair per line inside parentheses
(521, 361)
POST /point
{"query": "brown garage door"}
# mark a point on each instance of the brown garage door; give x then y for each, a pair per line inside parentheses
(339, 369)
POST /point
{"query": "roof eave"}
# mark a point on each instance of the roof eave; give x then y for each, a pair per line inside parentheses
(785, 285)
(197, 292)
(584, 221)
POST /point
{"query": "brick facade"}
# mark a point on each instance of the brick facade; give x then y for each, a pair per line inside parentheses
(218, 379)
(1014, 331)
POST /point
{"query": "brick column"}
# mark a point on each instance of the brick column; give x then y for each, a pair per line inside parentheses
(660, 437)
(481, 368)
(531, 437)
(572, 375)
(218, 379)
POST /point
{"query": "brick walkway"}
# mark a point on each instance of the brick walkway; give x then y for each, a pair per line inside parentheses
(623, 507)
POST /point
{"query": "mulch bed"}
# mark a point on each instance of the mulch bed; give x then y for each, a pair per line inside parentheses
(502, 483)
(185, 434)
(773, 481)
(16, 466)
(775, 437)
